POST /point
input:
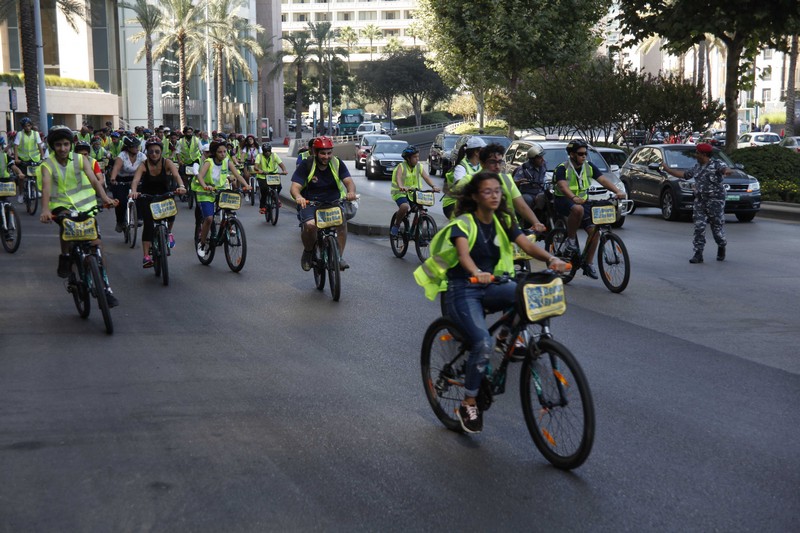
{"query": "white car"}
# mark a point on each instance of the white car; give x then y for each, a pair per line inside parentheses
(366, 128)
(757, 139)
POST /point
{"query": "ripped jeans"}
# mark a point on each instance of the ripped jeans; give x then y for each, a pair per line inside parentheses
(465, 305)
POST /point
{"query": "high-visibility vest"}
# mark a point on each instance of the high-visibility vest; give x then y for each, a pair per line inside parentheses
(115, 148)
(189, 152)
(334, 166)
(3, 165)
(411, 179)
(222, 183)
(432, 274)
(449, 198)
(28, 149)
(70, 188)
(578, 185)
(510, 189)
(269, 165)
(85, 137)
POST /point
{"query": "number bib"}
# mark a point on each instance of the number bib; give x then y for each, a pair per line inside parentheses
(31, 170)
(544, 300)
(327, 218)
(519, 253)
(79, 230)
(163, 209)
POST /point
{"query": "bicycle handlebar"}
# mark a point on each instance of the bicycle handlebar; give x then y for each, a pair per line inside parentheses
(506, 277)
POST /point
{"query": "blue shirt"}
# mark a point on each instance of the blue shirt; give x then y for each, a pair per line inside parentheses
(322, 187)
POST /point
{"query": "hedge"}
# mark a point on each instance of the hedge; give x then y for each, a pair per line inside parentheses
(490, 127)
(433, 117)
(49, 80)
(777, 169)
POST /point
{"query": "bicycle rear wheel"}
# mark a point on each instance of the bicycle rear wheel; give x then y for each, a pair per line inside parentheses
(334, 274)
(12, 234)
(235, 245)
(79, 290)
(613, 261)
(132, 222)
(319, 266)
(443, 362)
(556, 244)
(99, 290)
(426, 229)
(557, 404)
(399, 242)
(276, 206)
(31, 196)
(161, 238)
(252, 192)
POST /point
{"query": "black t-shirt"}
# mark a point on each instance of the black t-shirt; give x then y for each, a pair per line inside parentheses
(155, 184)
(485, 253)
(322, 187)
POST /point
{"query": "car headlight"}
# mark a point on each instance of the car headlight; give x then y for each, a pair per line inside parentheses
(754, 186)
(686, 186)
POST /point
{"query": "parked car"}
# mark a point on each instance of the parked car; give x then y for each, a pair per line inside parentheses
(555, 153)
(715, 139)
(366, 128)
(439, 154)
(364, 147)
(488, 139)
(614, 157)
(757, 139)
(793, 143)
(388, 128)
(383, 159)
(647, 186)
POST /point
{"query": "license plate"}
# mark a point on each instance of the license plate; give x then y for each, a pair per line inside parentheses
(732, 197)
(391, 165)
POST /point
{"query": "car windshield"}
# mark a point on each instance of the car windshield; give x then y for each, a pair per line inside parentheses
(683, 158)
(387, 125)
(449, 143)
(390, 147)
(615, 158)
(555, 156)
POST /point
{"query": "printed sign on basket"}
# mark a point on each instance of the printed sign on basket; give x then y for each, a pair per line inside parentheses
(330, 217)
(163, 209)
(79, 230)
(545, 300)
(604, 214)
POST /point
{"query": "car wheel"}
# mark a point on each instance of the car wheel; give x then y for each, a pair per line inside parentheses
(669, 209)
(745, 217)
(359, 166)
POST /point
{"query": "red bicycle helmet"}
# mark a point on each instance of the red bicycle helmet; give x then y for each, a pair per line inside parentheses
(12, 134)
(323, 143)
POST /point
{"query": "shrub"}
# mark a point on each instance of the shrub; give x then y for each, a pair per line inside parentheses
(49, 80)
(491, 127)
(777, 169)
(432, 117)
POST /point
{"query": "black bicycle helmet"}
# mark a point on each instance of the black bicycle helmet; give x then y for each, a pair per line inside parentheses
(25, 120)
(58, 133)
(575, 144)
(130, 142)
(266, 147)
(82, 145)
(153, 141)
(409, 151)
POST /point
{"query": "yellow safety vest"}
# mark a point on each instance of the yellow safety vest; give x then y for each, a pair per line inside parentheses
(579, 185)
(449, 198)
(29, 148)
(70, 188)
(3, 165)
(334, 166)
(269, 165)
(510, 189)
(204, 195)
(189, 152)
(411, 178)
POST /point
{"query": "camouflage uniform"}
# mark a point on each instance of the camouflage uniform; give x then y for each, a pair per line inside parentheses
(709, 202)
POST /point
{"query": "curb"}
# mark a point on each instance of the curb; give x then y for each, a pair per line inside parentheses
(779, 211)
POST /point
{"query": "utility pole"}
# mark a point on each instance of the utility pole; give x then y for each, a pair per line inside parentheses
(37, 24)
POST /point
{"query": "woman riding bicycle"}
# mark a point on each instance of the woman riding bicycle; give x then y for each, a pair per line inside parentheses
(467, 163)
(407, 175)
(129, 160)
(156, 176)
(477, 244)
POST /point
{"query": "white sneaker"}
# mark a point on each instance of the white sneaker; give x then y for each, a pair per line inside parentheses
(20, 199)
(201, 249)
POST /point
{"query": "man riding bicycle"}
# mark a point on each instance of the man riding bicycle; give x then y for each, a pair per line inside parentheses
(573, 178)
(267, 163)
(530, 178)
(28, 148)
(321, 178)
(407, 175)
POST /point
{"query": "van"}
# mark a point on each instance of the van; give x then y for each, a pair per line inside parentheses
(368, 127)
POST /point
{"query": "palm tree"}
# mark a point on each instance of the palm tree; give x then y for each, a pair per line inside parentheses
(72, 10)
(148, 17)
(790, 87)
(300, 52)
(230, 35)
(182, 24)
(321, 35)
(349, 38)
(415, 31)
(371, 32)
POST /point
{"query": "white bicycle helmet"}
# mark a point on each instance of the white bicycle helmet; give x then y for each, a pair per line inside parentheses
(535, 150)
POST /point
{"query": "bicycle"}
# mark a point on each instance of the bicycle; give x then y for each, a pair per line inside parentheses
(612, 255)
(253, 185)
(162, 206)
(273, 201)
(30, 191)
(226, 231)
(329, 216)
(421, 230)
(131, 228)
(189, 173)
(556, 399)
(11, 227)
(87, 276)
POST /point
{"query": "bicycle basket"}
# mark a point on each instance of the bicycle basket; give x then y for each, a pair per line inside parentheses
(350, 209)
(540, 295)
(163, 209)
(189, 170)
(79, 230)
(329, 217)
(273, 179)
(249, 168)
(8, 188)
(230, 200)
(604, 213)
(424, 198)
(31, 170)
(519, 253)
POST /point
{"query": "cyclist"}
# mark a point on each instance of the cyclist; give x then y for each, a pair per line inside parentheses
(573, 179)
(213, 176)
(28, 148)
(248, 153)
(322, 178)
(204, 143)
(86, 134)
(530, 178)
(7, 164)
(156, 176)
(407, 176)
(305, 152)
(188, 151)
(115, 146)
(98, 153)
(467, 163)
(477, 243)
(85, 150)
(267, 163)
(122, 173)
(68, 182)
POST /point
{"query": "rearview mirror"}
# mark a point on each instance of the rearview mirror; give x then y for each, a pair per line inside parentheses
(653, 166)
(738, 166)
(614, 168)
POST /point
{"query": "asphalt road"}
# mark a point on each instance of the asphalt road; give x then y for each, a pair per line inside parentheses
(252, 402)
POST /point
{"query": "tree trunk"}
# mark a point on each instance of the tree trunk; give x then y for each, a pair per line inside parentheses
(735, 48)
(148, 54)
(298, 104)
(790, 87)
(218, 78)
(701, 63)
(29, 65)
(416, 104)
(182, 82)
(708, 70)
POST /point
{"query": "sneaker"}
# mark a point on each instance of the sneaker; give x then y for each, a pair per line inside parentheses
(118, 228)
(147, 262)
(171, 241)
(39, 194)
(343, 265)
(262, 210)
(589, 270)
(139, 223)
(394, 230)
(20, 199)
(111, 299)
(720, 253)
(697, 258)
(63, 266)
(571, 246)
(306, 259)
(201, 249)
(471, 418)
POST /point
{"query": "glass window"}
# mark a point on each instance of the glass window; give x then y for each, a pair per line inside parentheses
(345, 15)
(767, 53)
(368, 15)
(50, 37)
(766, 95)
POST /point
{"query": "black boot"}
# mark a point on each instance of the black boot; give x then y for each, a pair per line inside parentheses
(720, 253)
(698, 258)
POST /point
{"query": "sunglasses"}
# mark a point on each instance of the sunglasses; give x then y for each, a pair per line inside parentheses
(581, 154)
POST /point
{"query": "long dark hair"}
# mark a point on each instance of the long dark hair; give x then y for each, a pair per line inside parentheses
(466, 204)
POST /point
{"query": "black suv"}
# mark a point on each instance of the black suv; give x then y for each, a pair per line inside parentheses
(439, 154)
(647, 186)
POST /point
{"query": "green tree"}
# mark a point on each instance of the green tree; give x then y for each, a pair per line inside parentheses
(371, 32)
(349, 38)
(377, 80)
(300, 50)
(393, 45)
(148, 16)
(326, 54)
(416, 81)
(743, 26)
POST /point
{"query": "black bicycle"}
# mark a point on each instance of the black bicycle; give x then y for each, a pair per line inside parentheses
(329, 216)
(226, 231)
(9, 219)
(421, 230)
(30, 191)
(162, 207)
(87, 276)
(272, 204)
(556, 400)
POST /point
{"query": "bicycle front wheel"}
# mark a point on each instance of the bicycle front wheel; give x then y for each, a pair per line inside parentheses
(276, 206)
(334, 275)
(132, 221)
(252, 192)
(13, 231)
(399, 242)
(557, 404)
(235, 245)
(99, 290)
(211, 249)
(32, 197)
(161, 238)
(612, 259)
(319, 266)
(79, 290)
(443, 362)
(556, 243)
(426, 229)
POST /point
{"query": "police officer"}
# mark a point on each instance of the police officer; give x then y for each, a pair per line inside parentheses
(709, 199)
(530, 178)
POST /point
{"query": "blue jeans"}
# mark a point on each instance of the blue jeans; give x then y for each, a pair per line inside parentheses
(465, 305)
